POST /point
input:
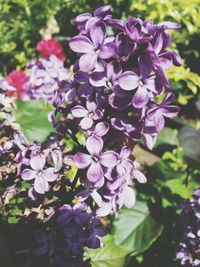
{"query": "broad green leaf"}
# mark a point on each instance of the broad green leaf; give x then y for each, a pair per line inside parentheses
(135, 229)
(110, 255)
(32, 116)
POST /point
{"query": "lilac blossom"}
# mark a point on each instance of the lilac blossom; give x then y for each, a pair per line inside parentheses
(158, 111)
(80, 228)
(96, 160)
(41, 176)
(187, 252)
(93, 47)
(89, 115)
(45, 76)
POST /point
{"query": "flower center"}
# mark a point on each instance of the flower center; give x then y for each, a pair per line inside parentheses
(108, 84)
(140, 83)
(95, 158)
(39, 173)
(90, 114)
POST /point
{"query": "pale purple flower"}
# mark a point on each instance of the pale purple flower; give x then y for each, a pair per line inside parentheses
(100, 129)
(145, 88)
(93, 47)
(97, 160)
(41, 176)
(45, 76)
(89, 115)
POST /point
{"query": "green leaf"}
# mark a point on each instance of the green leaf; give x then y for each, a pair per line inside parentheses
(135, 229)
(108, 256)
(32, 116)
(167, 136)
(178, 187)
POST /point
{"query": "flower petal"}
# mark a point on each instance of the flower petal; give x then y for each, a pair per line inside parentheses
(128, 80)
(94, 145)
(101, 129)
(98, 79)
(91, 106)
(28, 174)
(87, 62)
(95, 172)
(109, 159)
(86, 123)
(170, 111)
(108, 50)
(82, 160)
(79, 112)
(37, 162)
(98, 33)
(140, 98)
(81, 44)
(104, 210)
(41, 185)
(129, 197)
(49, 175)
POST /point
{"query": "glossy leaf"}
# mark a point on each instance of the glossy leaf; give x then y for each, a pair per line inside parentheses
(110, 255)
(135, 229)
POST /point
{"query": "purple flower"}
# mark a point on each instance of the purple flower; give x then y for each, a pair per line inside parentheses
(45, 76)
(96, 160)
(136, 31)
(75, 239)
(187, 252)
(41, 176)
(76, 214)
(107, 78)
(96, 233)
(165, 109)
(100, 129)
(93, 47)
(89, 115)
(145, 87)
(85, 21)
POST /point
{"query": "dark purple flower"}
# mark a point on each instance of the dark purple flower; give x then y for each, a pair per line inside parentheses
(96, 160)
(85, 21)
(77, 214)
(136, 31)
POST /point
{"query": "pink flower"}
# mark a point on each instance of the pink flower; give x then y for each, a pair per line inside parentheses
(17, 79)
(49, 47)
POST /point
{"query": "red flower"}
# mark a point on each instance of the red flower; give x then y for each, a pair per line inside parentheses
(17, 79)
(51, 47)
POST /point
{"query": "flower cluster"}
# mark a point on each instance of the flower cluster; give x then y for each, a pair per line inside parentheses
(188, 251)
(45, 76)
(117, 94)
(9, 135)
(39, 166)
(112, 99)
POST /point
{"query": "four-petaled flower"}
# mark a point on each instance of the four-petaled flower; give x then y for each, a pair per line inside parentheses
(95, 46)
(97, 160)
(89, 115)
(40, 175)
